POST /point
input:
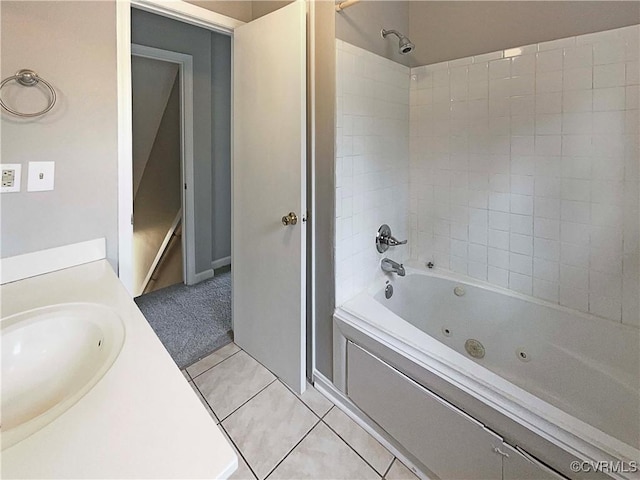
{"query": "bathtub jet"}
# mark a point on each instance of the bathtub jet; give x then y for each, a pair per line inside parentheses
(432, 354)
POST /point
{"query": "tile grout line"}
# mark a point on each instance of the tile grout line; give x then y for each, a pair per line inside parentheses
(327, 413)
(319, 418)
(299, 397)
(318, 421)
(207, 402)
(248, 400)
(213, 366)
(293, 448)
(356, 452)
(238, 450)
(389, 467)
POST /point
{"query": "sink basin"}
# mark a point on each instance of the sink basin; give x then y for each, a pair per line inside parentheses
(51, 357)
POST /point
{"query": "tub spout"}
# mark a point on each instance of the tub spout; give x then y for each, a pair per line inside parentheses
(390, 266)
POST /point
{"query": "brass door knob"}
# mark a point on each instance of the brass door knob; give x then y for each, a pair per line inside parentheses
(290, 219)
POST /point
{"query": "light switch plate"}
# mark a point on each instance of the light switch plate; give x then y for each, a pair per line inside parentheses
(41, 175)
(11, 177)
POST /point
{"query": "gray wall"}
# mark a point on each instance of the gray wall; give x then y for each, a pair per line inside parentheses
(324, 186)
(58, 40)
(448, 30)
(221, 144)
(361, 23)
(160, 32)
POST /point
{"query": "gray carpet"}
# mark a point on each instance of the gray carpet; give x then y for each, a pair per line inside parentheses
(191, 321)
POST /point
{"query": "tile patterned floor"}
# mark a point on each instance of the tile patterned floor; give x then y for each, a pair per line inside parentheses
(279, 434)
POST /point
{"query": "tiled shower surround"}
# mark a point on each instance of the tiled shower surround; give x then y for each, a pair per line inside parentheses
(372, 163)
(524, 170)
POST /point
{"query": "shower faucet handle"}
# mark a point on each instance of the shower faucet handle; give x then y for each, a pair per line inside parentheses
(384, 239)
(392, 242)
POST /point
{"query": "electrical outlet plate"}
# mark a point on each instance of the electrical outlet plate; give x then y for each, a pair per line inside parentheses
(11, 177)
(40, 177)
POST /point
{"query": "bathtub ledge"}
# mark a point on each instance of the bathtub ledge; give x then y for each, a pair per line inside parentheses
(552, 424)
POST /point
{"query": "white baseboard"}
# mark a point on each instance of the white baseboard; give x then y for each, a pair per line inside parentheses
(221, 262)
(328, 389)
(199, 277)
(32, 264)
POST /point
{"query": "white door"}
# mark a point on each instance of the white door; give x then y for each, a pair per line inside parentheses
(269, 175)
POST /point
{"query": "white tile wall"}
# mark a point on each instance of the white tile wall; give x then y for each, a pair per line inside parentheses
(372, 164)
(524, 170)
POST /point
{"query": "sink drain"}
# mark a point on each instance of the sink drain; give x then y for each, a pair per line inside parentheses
(474, 348)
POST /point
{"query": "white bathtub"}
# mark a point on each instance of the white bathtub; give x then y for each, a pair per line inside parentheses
(550, 377)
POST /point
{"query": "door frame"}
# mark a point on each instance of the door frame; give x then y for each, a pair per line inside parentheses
(198, 16)
(176, 10)
(187, 200)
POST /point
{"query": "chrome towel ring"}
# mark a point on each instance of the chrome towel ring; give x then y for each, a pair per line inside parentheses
(28, 78)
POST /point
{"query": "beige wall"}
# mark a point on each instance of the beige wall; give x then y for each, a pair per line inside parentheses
(360, 25)
(159, 197)
(244, 10)
(73, 46)
(238, 9)
(151, 84)
(451, 29)
(260, 8)
(448, 30)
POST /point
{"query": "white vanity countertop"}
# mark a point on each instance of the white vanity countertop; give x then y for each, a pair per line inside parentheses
(141, 420)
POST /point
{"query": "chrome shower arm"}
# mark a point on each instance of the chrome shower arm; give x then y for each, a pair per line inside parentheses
(384, 33)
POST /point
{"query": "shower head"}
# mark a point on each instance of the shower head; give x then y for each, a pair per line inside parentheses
(405, 45)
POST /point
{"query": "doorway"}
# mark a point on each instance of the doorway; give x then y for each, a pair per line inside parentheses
(179, 92)
(269, 215)
(163, 223)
